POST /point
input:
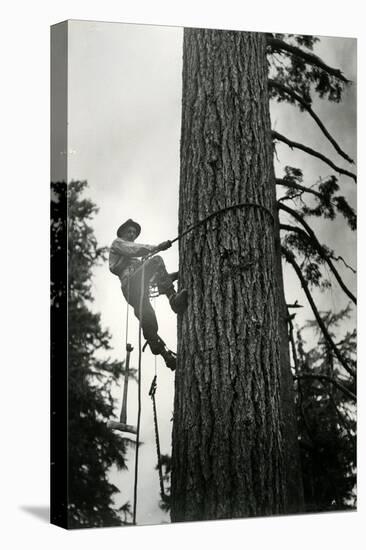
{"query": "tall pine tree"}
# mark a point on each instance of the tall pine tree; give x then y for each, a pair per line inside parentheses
(92, 447)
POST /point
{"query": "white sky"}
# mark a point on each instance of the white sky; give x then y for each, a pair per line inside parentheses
(124, 132)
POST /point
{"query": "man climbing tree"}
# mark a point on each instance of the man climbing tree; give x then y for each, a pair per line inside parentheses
(136, 278)
(235, 450)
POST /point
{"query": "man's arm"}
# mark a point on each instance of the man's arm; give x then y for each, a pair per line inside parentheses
(130, 249)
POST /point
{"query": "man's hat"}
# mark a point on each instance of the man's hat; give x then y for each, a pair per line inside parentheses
(126, 224)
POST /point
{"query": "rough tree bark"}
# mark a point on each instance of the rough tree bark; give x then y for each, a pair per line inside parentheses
(228, 448)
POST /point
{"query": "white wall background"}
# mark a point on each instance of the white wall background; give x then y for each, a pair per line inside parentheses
(24, 219)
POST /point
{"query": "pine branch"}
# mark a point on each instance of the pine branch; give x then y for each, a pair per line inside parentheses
(324, 197)
(292, 185)
(294, 144)
(291, 259)
(345, 423)
(279, 45)
(306, 105)
(310, 236)
(328, 379)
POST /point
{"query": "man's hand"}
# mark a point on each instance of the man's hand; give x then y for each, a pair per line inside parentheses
(164, 245)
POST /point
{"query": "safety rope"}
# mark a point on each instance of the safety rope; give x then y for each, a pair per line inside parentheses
(128, 310)
(139, 400)
(222, 211)
(155, 356)
(201, 222)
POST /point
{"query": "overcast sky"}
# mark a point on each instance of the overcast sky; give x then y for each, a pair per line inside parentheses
(124, 130)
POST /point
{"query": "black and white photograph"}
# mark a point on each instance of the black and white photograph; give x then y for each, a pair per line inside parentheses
(203, 274)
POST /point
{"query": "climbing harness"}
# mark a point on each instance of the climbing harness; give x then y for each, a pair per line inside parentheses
(153, 291)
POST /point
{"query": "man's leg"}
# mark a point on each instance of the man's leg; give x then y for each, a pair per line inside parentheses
(149, 324)
(155, 269)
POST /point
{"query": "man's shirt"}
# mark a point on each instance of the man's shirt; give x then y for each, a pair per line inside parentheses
(124, 257)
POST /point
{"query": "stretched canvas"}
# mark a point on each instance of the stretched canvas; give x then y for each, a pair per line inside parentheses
(203, 293)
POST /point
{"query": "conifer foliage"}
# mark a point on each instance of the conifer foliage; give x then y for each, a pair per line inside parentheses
(324, 375)
(92, 447)
(325, 399)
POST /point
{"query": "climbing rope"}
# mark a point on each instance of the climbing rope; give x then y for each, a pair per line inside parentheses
(139, 400)
(222, 211)
(128, 310)
(203, 221)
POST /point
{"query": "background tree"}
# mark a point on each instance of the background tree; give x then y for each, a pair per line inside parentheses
(234, 423)
(92, 448)
(326, 417)
(297, 76)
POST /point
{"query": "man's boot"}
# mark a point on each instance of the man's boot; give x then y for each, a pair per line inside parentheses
(158, 347)
(173, 276)
(170, 358)
(178, 302)
(164, 281)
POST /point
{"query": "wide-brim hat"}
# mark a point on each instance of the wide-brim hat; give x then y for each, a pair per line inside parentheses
(126, 224)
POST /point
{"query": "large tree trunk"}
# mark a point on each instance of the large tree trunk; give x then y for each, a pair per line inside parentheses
(228, 449)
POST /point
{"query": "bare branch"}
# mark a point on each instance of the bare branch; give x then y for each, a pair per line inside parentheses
(291, 259)
(295, 305)
(312, 237)
(312, 59)
(307, 107)
(324, 377)
(294, 144)
(339, 258)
